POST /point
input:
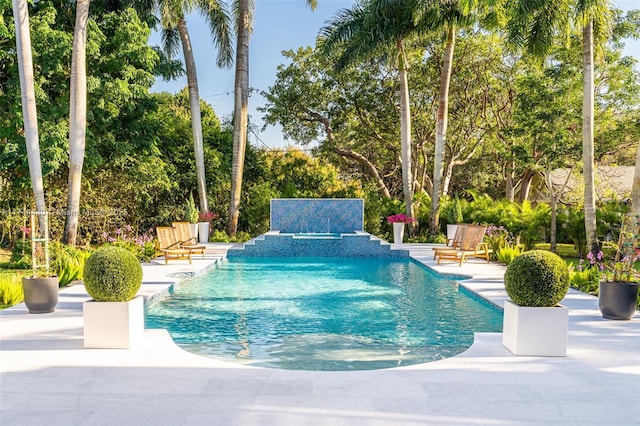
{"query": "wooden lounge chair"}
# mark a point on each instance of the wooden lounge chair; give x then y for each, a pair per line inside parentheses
(454, 242)
(471, 245)
(185, 239)
(170, 245)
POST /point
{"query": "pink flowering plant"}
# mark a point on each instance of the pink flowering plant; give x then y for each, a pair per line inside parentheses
(207, 216)
(622, 268)
(143, 246)
(498, 238)
(400, 218)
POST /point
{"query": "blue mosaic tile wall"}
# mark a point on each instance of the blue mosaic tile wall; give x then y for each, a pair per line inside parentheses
(288, 245)
(321, 215)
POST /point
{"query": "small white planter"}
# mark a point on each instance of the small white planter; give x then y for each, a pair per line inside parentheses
(115, 325)
(193, 227)
(203, 232)
(535, 331)
(398, 232)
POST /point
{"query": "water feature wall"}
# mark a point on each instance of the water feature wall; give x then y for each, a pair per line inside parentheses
(274, 244)
(317, 215)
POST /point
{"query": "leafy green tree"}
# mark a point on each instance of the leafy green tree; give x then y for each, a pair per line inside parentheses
(290, 174)
(352, 113)
(536, 26)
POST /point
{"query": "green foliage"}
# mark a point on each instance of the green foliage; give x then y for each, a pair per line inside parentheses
(455, 211)
(498, 237)
(68, 262)
(190, 210)
(10, 290)
(142, 246)
(112, 274)
(21, 255)
(241, 237)
(586, 280)
(223, 237)
(506, 254)
(219, 237)
(537, 278)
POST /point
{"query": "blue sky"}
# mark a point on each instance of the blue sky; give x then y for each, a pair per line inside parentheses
(278, 25)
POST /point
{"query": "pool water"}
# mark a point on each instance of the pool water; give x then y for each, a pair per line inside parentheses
(323, 314)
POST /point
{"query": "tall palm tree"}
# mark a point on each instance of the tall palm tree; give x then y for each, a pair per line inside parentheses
(373, 28)
(449, 16)
(244, 14)
(27, 91)
(174, 32)
(536, 26)
(240, 110)
(77, 119)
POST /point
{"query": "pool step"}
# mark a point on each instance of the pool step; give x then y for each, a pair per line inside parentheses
(359, 244)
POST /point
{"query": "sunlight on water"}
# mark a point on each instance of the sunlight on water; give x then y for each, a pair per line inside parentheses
(323, 314)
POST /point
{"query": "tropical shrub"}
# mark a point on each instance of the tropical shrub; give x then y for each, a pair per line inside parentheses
(455, 211)
(21, 255)
(68, 262)
(10, 290)
(571, 222)
(218, 236)
(498, 237)
(506, 254)
(112, 274)
(537, 278)
(584, 279)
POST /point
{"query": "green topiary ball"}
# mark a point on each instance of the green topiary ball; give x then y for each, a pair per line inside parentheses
(537, 278)
(112, 274)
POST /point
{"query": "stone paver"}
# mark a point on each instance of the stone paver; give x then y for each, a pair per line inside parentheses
(48, 378)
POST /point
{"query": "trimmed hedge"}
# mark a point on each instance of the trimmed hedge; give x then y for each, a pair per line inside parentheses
(112, 274)
(537, 278)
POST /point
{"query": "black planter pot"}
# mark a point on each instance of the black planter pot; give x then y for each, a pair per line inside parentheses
(618, 301)
(40, 294)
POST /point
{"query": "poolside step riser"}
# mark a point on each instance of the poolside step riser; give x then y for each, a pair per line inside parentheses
(288, 246)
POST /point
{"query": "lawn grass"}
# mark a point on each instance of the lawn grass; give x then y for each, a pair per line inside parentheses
(562, 250)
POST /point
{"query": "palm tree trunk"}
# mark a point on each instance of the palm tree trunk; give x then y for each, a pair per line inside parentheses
(77, 120)
(441, 131)
(196, 120)
(635, 187)
(29, 113)
(405, 133)
(587, 139)
(240, 113)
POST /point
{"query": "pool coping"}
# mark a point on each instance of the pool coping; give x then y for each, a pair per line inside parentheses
(47, 377)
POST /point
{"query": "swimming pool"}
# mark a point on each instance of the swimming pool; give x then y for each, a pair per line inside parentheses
(323, 314)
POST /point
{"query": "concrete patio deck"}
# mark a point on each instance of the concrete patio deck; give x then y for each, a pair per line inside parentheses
(48, 378)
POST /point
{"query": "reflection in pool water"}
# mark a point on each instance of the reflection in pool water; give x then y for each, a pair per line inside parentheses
(323, 314)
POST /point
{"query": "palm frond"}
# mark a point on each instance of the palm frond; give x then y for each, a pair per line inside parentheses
(217, 17)
(367, 29)
(171, 42)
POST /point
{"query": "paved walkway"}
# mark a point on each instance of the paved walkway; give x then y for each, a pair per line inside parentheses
(47, 378)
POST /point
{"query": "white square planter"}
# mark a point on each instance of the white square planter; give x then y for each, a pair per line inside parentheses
(535, 331)
(118, 325)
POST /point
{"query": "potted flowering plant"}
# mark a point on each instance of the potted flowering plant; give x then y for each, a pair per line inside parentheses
(204, 223)
(619, 278)
(398, 221)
